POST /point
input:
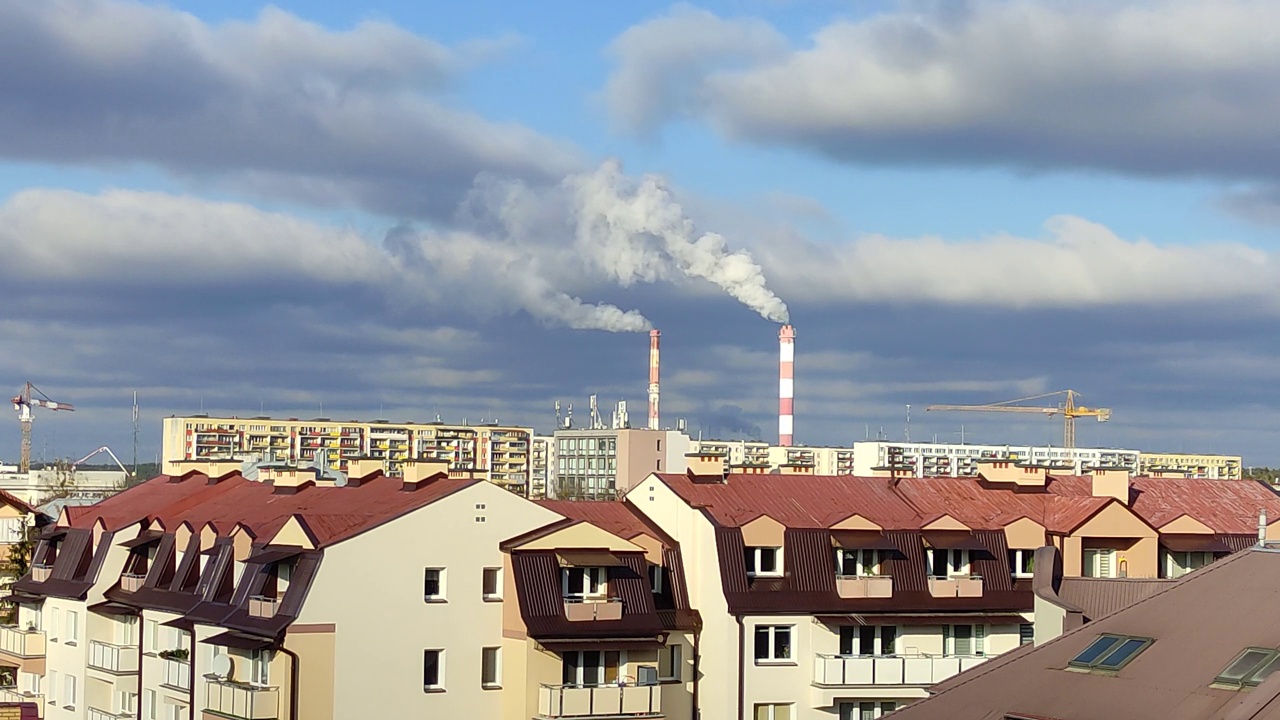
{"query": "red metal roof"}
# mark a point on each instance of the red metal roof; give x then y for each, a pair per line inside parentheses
(331, 513)
(1226, 506)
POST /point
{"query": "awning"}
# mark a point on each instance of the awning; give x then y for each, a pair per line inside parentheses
(861, 540)
(114, 608)
(144, 538)
(925, 619)
(952, 540)
(570, 644)
(1193, 543)
(240, 642)
(587, 558)
(274, 553)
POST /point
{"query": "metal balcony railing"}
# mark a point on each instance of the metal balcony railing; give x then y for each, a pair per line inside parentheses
(132, 582)
(880, 670)
(583, 609)
(40, 573)
(261, 606)
(599, 701)
(10, 694)
(242, 700)
(112, 658)
(956, 586)
(21, 643)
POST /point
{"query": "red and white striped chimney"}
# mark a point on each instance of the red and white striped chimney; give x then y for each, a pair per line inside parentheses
(786, 384)
(653, 379)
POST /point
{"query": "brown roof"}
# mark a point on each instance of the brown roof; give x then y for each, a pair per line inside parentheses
(1099, 597)
(1199, 624)
(1226, 506)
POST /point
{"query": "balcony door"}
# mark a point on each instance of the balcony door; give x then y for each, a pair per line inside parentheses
(583, 583)
(588, 668)
(868, 640)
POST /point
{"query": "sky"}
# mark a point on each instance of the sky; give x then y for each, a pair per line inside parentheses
(409, 210)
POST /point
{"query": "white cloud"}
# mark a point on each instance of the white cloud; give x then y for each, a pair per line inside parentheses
(1162, 87)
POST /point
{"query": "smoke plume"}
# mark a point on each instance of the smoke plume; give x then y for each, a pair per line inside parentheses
(635, 231)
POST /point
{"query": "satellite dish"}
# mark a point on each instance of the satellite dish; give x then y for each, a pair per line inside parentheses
(222, 666)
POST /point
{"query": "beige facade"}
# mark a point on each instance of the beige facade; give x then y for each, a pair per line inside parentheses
(603, 464)
(1194, 465)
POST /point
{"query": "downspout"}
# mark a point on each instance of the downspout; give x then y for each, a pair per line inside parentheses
(141, 637)
(742, 670)
(191, 671)
(696, 658)
(293, 680)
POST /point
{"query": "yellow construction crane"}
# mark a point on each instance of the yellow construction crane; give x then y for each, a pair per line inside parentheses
(1068, 409)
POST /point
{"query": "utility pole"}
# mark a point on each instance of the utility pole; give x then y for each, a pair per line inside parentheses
(135, 435)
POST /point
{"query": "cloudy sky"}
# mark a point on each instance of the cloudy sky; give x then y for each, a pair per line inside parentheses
(470, 210)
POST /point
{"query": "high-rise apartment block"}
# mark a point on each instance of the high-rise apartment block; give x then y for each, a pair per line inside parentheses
(603, 464)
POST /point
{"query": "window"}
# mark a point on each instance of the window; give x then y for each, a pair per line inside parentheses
(69, 691)
(656, 578)
(964, 639)
(1099, 563)
(53, 624)
(774, 711)
(1026, 634)
(1177, 564)
(868, 640)
(1110, 652)
(491, 584)
(582, 583)
(491, 667)
(858, 563)
(1250, 668)
(149, 704)
(433, 585)
(762, 561)
(127, 630)
(151, 636)
(260, 667)
(53, 687)
(669, 667)
(588, 668)
(73, 628)
(948, 562)
(126, 703)
(433, 670)
(1022, 563)
(773, 643)
(867, 710)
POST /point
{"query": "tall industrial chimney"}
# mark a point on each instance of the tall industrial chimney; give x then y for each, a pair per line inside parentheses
(786, 384)
(653, 379)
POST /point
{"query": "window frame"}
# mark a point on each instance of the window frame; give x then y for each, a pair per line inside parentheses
(656, 573)
(1097, 663)
(860, 564)
(963, 568)
(438, 685)
(977, 640)
(496, 682)
(772, 713)
(591, 576)
(752, 555)
(496, 595)
(441, 594)
(771, 657)
(1020, 558)
(878, 645)
(1249, 679)
(674, 655)
(601, 666)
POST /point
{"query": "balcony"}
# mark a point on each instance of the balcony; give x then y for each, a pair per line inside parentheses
(261, 606)
(40, 573)
(956, 586)
(177, 674)
(577, 609)
(21, 644)
(601, 701)
(112, 658)
(224, 698)
(864, 587)
(96, 714)
(918, 670)
(10, 694)
(132, 582)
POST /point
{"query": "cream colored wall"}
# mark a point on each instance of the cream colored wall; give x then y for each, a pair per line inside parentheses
(1186, 525)
(292, 534)
(153, 666)
(370, 587)
(1115, 526)
(638, 455)
(946, 522)
(1072, 556)
(318, 647)
(581, 535)
(856, 522)
(764, 531)
(1024, 534)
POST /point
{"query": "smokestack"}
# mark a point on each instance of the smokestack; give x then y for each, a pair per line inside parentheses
(786, 384)
(653, 379)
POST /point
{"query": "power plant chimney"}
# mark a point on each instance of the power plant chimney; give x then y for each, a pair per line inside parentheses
(653, 379)
(786, 384)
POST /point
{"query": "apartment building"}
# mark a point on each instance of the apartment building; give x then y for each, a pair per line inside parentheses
(959, 460)
(603, 623)
(602, 464)
(542, 465)
(40, 485)
(208, 595)
(500, 452)
(850, 596)
(1215, 467)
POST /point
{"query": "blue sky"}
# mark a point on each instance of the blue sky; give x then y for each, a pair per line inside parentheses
(411, 207)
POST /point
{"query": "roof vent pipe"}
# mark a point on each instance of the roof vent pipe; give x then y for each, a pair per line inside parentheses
(1262, 527)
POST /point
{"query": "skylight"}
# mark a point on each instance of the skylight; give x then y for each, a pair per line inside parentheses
(1110, 652)
(1252, 666)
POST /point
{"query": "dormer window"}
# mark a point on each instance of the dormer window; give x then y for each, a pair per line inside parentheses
(657, 579)
(583, 583)
(858, 563)
(948, 562)
(763, 561)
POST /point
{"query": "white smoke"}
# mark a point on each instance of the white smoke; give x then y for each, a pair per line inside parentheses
(636, 232)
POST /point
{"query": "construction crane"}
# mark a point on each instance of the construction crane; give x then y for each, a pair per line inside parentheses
(1068, 409)
(31, 397)
(107, 450)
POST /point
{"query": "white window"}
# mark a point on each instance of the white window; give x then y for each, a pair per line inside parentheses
(53, 687)
(433, 585)
(176, 712)
(1177, 564)
(763, 561)
(492, 584)
(669, 662)
(151, 636)
(583, 583)
(127, 630)
(1099, 563)
(773, 711)
(149, 705)
(868, 640)
(1022, 563)
(1026, 634)
(589, 668)
(656, 577)
(54, 626)
(432, 670)
(260, 667)
(773, 643)
(491, 667)
(69, 691)
(73, 627)
(858, 563)
(867, 710)
(964, 639)
(948, 562)
(126, 702)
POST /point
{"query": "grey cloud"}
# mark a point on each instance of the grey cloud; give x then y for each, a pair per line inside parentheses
(1259, 205)
(277, 105)
(1173, 87)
